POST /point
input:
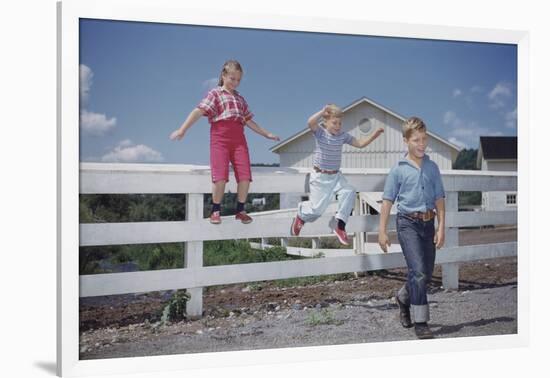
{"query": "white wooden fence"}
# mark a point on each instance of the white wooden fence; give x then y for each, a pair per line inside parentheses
(96, 178)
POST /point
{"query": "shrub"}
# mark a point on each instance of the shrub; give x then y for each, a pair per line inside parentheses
(174, 311)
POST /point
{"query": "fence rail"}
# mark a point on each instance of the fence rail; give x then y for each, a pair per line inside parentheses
(195, 182)
(135, 282)
(199, 230)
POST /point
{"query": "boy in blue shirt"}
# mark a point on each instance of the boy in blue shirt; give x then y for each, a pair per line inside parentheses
(415, 182)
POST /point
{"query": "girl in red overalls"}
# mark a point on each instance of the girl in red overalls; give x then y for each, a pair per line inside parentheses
(228, 113)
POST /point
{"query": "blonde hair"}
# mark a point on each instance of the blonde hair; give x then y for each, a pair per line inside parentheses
(332, 110)
(230, 65)
(413, 124)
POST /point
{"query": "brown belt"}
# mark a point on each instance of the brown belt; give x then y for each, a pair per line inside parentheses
(426, 217)
(317, 169)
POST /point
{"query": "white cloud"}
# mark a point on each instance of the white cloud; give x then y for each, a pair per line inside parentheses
(457, 92)
(476, 89)
(499, 94)
(95, 123)
(465, 133)
(511, 119)
(210, 83)
(91, 123)
(501, 89)
(86, 76)
(128, 152)
(457, 142)
(449, 117)
(125, 143)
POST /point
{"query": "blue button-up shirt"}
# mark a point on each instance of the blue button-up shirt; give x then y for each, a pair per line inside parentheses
(415, 189)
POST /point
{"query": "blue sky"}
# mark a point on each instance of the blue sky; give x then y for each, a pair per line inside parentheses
(139, 81)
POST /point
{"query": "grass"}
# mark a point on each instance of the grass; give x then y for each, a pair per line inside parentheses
(227, 252)
(290, 282)
(312, 280)
(323, 317)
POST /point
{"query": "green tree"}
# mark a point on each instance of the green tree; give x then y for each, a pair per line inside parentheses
(467, 160)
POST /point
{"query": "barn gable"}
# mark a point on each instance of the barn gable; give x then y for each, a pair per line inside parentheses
(360, 119)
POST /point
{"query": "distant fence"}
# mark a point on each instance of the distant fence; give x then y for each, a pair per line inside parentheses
(97, 178)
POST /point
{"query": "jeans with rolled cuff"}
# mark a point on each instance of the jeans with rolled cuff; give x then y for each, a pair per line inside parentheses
(416, 238)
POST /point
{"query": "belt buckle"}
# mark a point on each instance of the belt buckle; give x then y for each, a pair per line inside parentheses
(426, 216)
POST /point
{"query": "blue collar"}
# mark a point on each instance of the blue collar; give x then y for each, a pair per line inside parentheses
(404, 160)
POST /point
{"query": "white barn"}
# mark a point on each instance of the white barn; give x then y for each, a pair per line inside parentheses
(498, 153)
(360, 118)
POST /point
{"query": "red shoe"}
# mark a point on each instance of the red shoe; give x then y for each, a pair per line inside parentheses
(243, 217)
(296, 226)
(215, 217)
(342, 236)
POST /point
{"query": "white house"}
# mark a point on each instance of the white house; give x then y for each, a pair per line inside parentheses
(360, 118)
(258, 201)
(498, 153)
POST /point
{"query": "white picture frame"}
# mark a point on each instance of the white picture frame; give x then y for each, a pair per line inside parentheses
(69, 13)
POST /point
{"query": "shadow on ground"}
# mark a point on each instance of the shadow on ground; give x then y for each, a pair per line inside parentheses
(440, 330)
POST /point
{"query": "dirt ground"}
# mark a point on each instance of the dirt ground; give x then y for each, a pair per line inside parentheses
(223, 301)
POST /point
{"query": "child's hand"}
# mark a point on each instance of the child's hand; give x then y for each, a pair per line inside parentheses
(324, 112)
(177, 135)
(272, 136)
(439, 238)
(383, 241)
(378, 131)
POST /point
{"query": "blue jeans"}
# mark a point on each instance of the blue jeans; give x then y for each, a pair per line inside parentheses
(416, 238)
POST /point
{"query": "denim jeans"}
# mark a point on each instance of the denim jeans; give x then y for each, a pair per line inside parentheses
(416, 238)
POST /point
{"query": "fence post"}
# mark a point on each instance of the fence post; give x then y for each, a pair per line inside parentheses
(315, 242)
(449, 271)
(358, 236)
(193, 254)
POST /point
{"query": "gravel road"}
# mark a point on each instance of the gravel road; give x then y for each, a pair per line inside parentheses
(485, 311)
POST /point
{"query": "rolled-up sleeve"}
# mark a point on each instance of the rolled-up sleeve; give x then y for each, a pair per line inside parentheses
(247, 114)
(439, 191)
(318, 132)
(391, 187)
(209, 105)
(348, 139)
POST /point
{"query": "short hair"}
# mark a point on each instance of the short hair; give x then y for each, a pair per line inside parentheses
(413, 124)
(333, 111)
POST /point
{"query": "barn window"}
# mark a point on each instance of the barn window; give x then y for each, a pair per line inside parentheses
(511, 199)
(365, 126)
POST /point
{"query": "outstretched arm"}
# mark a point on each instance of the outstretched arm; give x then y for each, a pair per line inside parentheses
(191, 119)
(363, 142)
(263, 132)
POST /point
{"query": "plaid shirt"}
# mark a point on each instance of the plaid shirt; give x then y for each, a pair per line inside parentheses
(220, 104)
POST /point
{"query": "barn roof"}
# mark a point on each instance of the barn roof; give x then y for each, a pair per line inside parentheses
(499, 147)
(363, 99)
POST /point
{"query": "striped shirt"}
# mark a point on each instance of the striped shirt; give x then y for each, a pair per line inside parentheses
(220, 105)
(328, 148)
